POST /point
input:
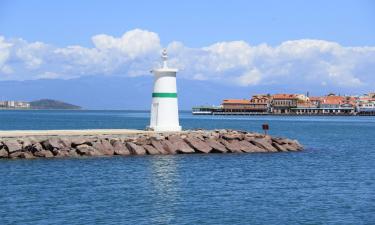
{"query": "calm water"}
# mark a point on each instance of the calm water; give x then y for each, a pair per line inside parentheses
(331, 182)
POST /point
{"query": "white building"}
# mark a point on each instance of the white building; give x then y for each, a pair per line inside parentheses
(164, 108)
(366, 104)
(14, 104)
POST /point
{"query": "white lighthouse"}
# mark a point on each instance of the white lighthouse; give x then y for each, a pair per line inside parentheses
(164, 108)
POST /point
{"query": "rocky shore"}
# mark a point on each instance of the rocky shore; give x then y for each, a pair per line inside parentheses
(186, 142)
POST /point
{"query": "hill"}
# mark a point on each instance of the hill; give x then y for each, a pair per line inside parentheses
(52, 104)
(115, 92)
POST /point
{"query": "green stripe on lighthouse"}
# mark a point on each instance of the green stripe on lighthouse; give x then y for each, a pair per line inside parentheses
(164, 95)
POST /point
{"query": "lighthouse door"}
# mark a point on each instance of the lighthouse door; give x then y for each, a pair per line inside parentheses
(155, 111)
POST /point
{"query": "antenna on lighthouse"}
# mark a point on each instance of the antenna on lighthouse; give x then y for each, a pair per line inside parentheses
(164, 56)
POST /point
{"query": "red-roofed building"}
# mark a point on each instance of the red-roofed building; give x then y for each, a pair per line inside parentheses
(282, 103)
(261, 103)
(257, 104)
(315, 100)
(236, 105)
(332, 104)
(332, 101)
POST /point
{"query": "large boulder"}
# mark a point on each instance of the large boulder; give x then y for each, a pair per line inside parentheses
(12, 145)
(248, 147)
(142, 140)
(37, 147)
(216, 145)
(21, 155)
(66, 142)
(27, 143)
(180, 145)
(159, 146)
(280, 147)
(151, 150)
(75, 141)
(43, 154)
(87, 150)
(119, 148)
(135, 149)
(167, 145)
(52, 143)
(210, 135)
(64, 152)
(280, 141)
(289, 144)
(104, 147)
(73, 153)
(3, 153)
(198, 145)
(294, 146)
(264, 144)
(233, 136)
(232, 146)
(197, 135)
(250, 135)
(297, 144)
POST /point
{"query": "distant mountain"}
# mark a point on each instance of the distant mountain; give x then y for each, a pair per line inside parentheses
(52, 104)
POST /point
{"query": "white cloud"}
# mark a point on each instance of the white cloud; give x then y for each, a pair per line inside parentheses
(295, 62)
(229, 55)
(48, 75)
(134, 43)
(251, 77)
(4, 55)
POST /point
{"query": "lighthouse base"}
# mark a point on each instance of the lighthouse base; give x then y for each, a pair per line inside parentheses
(165, 128)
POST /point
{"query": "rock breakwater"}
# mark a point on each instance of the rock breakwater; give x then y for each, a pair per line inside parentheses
(186, 142)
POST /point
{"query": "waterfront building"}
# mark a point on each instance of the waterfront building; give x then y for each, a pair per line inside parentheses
(315, 100)
(305, 108)
(366, 108)
(283, 103)
(331, 101)
(236, 105)
(261, 103)
(366, 105)
(332, 104)
(164, 108)
(302, 98)
(256, 105)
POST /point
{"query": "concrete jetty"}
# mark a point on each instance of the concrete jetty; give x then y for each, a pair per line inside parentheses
(123, 142)
(27, 133)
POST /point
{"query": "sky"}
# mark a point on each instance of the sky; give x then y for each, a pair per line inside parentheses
(319, 45)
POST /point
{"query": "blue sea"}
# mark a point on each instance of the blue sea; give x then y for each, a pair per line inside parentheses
(331, 182)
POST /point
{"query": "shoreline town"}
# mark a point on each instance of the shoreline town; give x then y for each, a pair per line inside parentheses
(294, 104)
